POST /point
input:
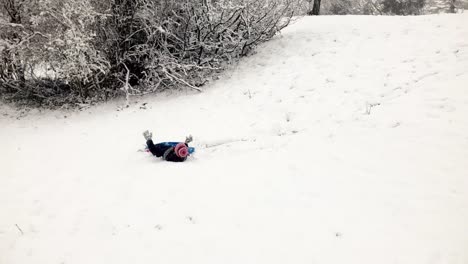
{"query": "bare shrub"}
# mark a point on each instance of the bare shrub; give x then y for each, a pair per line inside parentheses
(374, 7)
(182, 43)
(49, 53)
(58, 52)
(403, 7)
(353, 7)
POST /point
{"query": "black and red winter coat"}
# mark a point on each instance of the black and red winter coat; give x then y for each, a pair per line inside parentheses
(164, 151)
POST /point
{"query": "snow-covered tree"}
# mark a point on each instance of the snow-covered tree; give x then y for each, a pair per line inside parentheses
(314, 7)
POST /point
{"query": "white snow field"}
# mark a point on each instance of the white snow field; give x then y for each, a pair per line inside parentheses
(342, 140)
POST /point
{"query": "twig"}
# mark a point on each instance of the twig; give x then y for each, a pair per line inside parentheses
(19, 228)
(369, 107)
(375, 7)
(183, 81)
(127, 86)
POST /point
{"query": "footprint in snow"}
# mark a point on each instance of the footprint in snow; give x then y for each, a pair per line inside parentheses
(191, 220)
(396, 124)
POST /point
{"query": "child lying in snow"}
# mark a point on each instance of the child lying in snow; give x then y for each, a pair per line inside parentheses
(178, 153)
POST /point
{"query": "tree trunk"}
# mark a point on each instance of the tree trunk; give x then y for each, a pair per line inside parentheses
(315, 9)
(452, 6)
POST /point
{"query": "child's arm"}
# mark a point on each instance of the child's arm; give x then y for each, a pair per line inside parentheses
(152, 148)
(167, 154)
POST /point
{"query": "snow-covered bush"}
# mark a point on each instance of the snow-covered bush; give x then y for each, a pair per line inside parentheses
(374, 7)
(352, 7)
(80, 51)
(403, 7)
(183, 42)
(48, 49)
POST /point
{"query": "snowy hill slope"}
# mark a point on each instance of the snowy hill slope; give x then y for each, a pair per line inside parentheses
(344, 140)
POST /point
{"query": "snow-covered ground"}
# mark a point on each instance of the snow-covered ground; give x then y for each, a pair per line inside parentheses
(344, 140)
